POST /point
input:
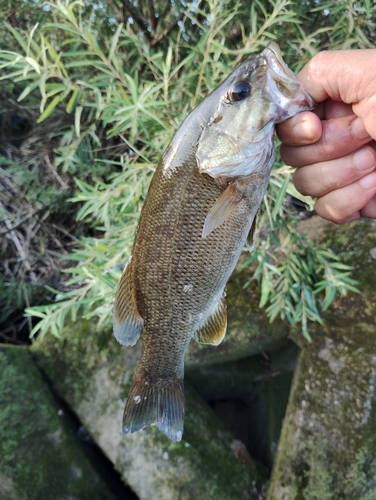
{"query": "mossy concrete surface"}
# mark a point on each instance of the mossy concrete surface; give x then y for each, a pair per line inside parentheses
(39, 456)
(92, 372)
(327, 449)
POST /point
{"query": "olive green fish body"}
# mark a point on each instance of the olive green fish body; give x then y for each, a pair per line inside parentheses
(199, 211)
(179, 277)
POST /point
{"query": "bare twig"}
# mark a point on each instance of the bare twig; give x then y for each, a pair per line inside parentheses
(13, 338)
(13, 236)
(27, 302)
(167, 8)
(11, 187)
(119, 11)
(153, 20)
(55, 174)
(166, 31)
(136, 14)
(18, 224)
(62, 230)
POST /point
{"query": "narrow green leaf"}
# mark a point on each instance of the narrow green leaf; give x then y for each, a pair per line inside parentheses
(26, 91)
(11, 75)
(281, 196)
(50, 108)
(114, 41)
(330, 294)
(56, 89)
(33, 64)
(31, 34)
(72, 101)
(77, 120)
(21, 41)
(265, 290)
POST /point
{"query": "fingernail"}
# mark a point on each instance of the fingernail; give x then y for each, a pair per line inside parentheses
(303, 131)
(358, 130)
(368, 181)
(363, 159)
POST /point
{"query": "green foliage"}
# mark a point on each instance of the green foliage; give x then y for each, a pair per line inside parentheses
(124, 93)
(294, 272)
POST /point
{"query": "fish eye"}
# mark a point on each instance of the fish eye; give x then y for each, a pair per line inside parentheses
(241, 90)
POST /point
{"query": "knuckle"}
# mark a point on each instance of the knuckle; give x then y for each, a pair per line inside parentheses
(299, 184)
(318, 63)
(328, 147)
(287, 154)
(333, 211)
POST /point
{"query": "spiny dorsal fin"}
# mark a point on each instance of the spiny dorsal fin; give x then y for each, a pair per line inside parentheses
(222, 208)
(127, 320)
(214, 329)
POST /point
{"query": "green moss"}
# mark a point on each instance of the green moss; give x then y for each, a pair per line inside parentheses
(318, 480)
(328, 443)
(79, 348)
(330, 418)
(38, 454)
(205, 464)
(94, 372)
(352, 242)
(361, 482)
(207, 437)
(216, 473)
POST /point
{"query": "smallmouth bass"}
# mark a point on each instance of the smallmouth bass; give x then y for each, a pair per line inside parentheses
(200, 208)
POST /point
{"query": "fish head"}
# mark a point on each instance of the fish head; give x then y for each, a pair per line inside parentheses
(238, 139)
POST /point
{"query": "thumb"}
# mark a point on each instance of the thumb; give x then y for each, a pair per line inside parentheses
(342, 75)
(366, 110)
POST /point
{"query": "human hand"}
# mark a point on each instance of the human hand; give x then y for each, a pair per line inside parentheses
(334, 146)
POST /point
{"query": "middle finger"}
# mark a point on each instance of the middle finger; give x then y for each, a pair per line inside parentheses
(321, 178)
(334, 109)
(340, 136)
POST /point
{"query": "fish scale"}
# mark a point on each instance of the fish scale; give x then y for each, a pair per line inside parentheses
(200, 208)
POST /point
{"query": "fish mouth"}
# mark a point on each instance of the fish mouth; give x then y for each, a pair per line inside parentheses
(276, 63)
(282, 86)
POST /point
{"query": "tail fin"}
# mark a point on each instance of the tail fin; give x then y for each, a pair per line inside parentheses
(160, 403)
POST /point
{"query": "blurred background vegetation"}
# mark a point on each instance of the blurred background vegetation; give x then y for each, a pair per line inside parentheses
(91, 94)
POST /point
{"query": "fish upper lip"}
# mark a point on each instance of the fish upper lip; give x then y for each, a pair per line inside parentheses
(279, 71)
(275, 60)
(275, 49)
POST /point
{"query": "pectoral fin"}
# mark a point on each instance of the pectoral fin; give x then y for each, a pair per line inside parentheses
(214, 329)
(251, 234)
(127, 320)
(222, 209)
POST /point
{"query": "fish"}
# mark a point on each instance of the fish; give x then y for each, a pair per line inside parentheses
(199, 213)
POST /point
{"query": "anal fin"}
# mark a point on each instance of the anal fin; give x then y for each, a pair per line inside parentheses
(127, 320)
(214, 329)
